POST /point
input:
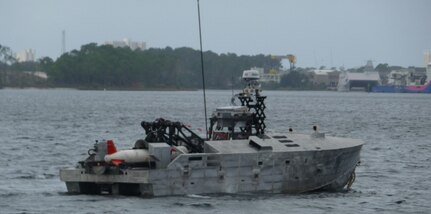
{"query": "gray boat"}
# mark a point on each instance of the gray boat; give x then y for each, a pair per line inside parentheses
(236, 156)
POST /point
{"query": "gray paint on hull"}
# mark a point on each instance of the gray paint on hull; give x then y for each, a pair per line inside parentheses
(314, 164)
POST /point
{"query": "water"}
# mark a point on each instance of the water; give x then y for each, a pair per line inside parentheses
(44, 130)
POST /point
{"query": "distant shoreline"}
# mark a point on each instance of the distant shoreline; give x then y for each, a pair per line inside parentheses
(150, 89)
(103, 89)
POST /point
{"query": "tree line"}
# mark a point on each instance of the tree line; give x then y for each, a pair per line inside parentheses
(103, 66)
(18, 74)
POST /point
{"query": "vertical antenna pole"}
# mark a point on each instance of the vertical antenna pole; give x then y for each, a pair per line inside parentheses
(203, 73)
(63, 42)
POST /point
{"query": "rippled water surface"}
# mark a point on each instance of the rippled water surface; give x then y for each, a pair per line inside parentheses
(42, 131)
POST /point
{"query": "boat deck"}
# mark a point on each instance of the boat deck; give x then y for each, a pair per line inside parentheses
(280, 143)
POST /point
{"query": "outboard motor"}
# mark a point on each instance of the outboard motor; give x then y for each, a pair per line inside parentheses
(96, 163)
(101, 149)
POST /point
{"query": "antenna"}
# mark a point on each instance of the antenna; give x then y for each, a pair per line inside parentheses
(332, 60)
(63, 42)
(315, 59)
(202, 69)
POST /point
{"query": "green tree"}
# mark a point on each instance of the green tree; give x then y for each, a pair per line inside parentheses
(106, 66)
(383, 68)
(295, 80)
(6, 55)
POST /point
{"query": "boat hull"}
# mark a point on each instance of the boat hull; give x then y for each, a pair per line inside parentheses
(274, 172)
(403, 89)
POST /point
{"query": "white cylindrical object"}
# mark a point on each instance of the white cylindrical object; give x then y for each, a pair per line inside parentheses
(129, 156)
(182, 149)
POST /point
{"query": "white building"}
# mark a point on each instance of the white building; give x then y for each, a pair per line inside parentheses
(271, 76)
(358, 81)
(127, 43)
(26, 55)
(364, 81)
(427, 63)
(427, 57)
(429, 72)
(327, 77)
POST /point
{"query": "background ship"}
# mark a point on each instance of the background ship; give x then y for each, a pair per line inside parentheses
(400, 84)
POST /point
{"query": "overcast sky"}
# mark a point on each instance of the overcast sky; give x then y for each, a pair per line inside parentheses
(318, 32)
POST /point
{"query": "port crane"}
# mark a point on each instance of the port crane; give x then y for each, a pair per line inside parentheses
(290, 57)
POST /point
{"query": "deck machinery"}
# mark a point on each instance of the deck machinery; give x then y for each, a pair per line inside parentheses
(238, 156)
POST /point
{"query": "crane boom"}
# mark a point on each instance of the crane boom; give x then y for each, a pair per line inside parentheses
(290, 57)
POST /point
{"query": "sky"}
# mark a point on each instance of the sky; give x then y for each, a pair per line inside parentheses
(329, 33)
